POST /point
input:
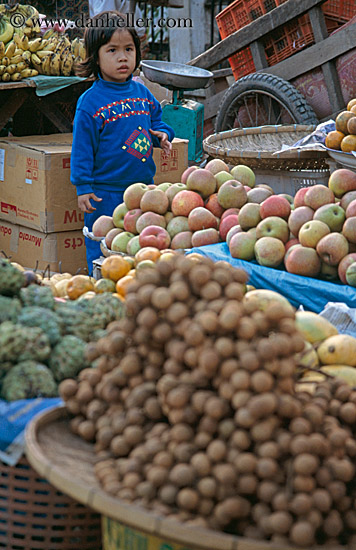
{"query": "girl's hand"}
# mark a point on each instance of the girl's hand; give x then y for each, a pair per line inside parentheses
(163, 137)
(84, 203)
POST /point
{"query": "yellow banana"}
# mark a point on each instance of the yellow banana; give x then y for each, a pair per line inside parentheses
(11, 69)
(67, 64)
(34, 44)
(48, 34)
(44, 44)
(16, 59)
(5, 61)
(28, 73)
(67, 41)
(51, 46)
(6, 30)
(16, 77)
(45, 65)
(36, 62)
(43, 53)
(17, 40)
(24, 42)
(26, 56)
(2, 49)
(6, 77)
(61, 45)
(55, 64)
(21, 66)
(37, 28)
(10, 49)
(74, 46)
(18, 51)
(27, 31)
(2, 69)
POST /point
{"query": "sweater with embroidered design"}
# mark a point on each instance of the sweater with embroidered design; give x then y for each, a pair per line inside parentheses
(112, 145)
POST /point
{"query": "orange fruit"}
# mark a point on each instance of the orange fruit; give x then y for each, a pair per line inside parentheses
(104, 285)
(147, 253)
(350, 104)
(348, 144)
(353, 110)
(114, 267)
(333, 139)
(78, 285)
(342, 120)
(122, 284)
(351, 125)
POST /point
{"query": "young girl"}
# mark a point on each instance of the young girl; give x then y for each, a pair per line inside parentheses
(117, 123)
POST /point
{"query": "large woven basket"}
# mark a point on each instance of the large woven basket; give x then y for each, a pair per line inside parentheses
(36, 516)
(254, 147)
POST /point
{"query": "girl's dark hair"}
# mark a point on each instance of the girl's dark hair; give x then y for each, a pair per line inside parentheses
(103, 26)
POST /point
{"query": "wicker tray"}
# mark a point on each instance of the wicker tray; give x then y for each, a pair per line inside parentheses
(254, 147)
(36, 516)
(68, 462)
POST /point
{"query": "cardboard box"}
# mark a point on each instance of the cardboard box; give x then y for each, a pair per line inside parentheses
(64, 251)
(35, 187)
(171, 167)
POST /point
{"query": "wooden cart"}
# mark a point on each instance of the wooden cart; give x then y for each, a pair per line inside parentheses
(267, 95)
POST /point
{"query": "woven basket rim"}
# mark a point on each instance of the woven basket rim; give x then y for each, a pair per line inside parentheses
(211, 143)
(93, 496)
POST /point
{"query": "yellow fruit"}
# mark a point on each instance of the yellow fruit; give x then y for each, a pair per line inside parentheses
(263, 298)
(114, 267)
(333, 139)
(16, 77)
(348, 144)
(122, 284)
(60, 286)
(345, 372)
(351, 103)
(338, 349)
(313, 327)
(78, 285)
(104, 285)
(308, 358)
(342, 120)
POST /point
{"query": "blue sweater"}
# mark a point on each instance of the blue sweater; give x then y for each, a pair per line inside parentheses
(112, 146)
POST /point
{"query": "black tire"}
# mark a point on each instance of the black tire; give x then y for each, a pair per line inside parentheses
(282, 103)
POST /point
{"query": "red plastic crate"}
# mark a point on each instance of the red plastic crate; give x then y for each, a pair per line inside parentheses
(341, 10)
(291, 38)
(286, 40)
(241, 13)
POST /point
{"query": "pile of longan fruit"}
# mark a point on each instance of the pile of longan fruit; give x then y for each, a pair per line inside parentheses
(343, 138)
(193, 412)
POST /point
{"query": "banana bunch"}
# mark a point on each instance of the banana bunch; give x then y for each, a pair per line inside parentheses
(6, 29)
(50, 55)
(78, 50)
(55, 58)
(15, 61)
(26, 18)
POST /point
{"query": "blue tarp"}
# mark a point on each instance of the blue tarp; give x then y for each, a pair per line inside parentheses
(14, 417)
(312, 294)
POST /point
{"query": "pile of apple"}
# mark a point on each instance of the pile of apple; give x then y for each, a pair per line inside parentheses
(315, 236)
(197, 211)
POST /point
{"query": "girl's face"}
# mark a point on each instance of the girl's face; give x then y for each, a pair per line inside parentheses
(117, 58)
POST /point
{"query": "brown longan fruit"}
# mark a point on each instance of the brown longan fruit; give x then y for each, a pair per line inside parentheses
(216, 407)
(333, 524)
(224, 346)
(280, 522)
(246, 329)
(306, 464)
(301, 504)
(216, 451)
(210, 291)
(208, 320)
(235, 290)
(303, 484)
(229, 317)
(302, 533)
(240, 440)
(179, 290)
(68, 388)
(240, 399)
(241, 380)
(322, 499)
(262, 381)
(245, 463)
(176, 312)
(182, 475)
(300, 426)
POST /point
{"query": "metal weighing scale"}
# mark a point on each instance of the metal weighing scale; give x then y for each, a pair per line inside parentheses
(185, 116)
